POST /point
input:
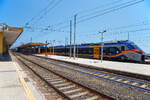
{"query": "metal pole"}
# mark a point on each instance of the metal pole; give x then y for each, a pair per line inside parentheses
(31, 39)
(51, 43)
(39, 50)
(128, 36)
(70, 38)
(53, 47)
(65, 45)
(102, 40)
(46, 48)
(75, 35)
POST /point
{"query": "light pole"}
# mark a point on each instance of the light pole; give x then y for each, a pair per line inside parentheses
(53, 47)
(74, 53)
(102, 40)
(46, 47)
(70, 38)
(128, 36)
(66, 43)
(31, 39)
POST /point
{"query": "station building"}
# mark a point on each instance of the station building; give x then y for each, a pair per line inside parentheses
(30, 48)
(8, 35)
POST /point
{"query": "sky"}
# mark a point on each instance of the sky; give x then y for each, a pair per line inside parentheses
(40, 15)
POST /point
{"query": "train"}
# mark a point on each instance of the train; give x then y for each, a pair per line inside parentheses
(114, 50)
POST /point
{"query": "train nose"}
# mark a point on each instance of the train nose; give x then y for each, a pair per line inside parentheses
(143, 53)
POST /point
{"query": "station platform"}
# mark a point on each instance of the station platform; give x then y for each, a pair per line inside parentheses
(10, 86)
(140, 69)
(15, 84)
(148, 60)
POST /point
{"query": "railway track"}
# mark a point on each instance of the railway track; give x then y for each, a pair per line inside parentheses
(136, 84)
(67, 88)
(127, 74)
(126, 81)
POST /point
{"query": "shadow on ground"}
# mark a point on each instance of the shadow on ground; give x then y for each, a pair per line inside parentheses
(5, 57)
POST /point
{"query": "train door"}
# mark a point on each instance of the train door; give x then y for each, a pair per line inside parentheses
(50, 51)
(96, 52)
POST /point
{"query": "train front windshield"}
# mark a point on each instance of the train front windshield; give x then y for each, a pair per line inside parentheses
(134, 46)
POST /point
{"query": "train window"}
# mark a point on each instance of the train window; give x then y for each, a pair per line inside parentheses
(85, 50)
(122, 48)
(106, 50)
(90, 50)
(79, 50)
(134, 46)
(113, 50)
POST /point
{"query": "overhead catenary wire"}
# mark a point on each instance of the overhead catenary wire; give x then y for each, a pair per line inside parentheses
(101, 10)
(34, 17)
(108, 29)
(104, 11)
(143, 23)
(66, 22)
(91, 16)
(99, 7)
(88, 18)
(48, 10)
(138, 24)
(33, 29)
(89, 10)
(116, 33)
(112, 9)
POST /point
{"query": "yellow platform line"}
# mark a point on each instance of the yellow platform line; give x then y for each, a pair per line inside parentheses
(24, 84)
(9, 62)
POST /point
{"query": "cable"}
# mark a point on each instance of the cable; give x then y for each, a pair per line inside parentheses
(98, 7)
(142, 23)
(115, 33)
(45, 29)
(138, 30)
(42, 16)
(128, 26)
(85, 11)
(98, 11)
(112, 9)
(33, 18)
(106, 11)
(115, 8)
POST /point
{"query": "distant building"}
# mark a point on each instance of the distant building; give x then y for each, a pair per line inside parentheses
(30, 48)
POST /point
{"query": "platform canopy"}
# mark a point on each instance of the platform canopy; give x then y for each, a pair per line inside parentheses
(32, 44)
(10, 33)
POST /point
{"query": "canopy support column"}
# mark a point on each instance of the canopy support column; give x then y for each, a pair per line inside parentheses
(1, 43)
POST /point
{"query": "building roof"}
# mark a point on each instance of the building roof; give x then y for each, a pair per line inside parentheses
(11, 34)
(32, 44)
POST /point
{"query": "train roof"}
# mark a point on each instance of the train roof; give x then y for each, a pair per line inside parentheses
(97, 44)
(107, 42)
(31, 44)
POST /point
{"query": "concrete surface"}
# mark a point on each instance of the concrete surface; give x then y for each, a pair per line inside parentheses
(10, 86)
(15, 84)
(32, 91)
(142, 69)
(148, 60)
